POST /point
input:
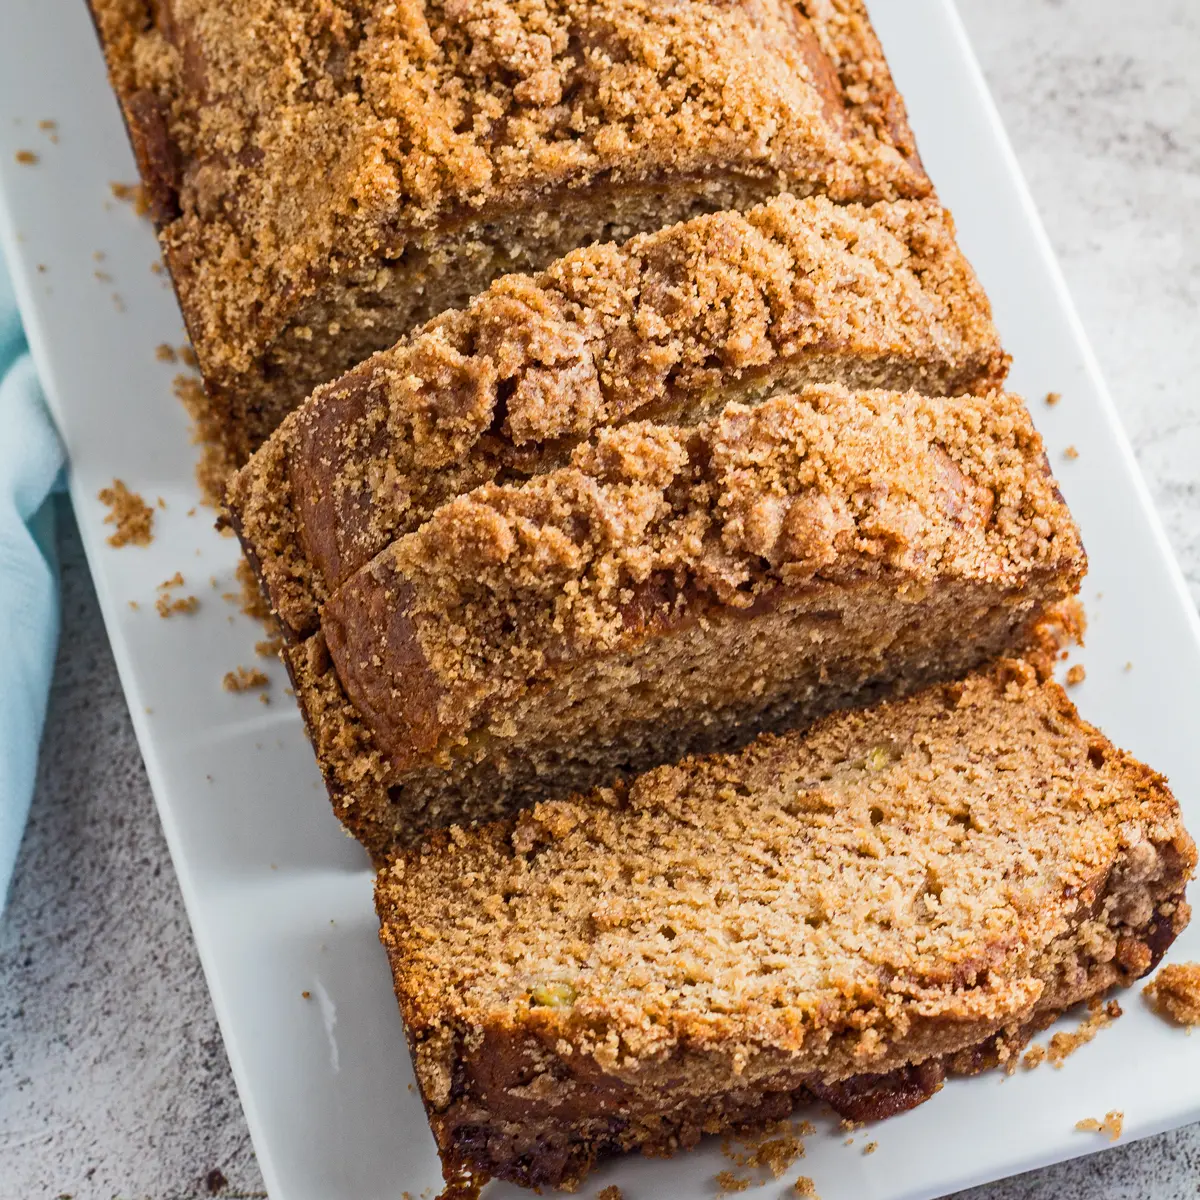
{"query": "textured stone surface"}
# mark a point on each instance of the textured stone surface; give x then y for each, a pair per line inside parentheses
(99, 980)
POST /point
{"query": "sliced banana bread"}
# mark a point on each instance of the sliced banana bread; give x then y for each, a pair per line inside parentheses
(848, 915)
(679, 589)
(672, 326)
(326, 174)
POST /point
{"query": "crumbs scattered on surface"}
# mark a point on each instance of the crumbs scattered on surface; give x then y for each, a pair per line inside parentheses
(1076, 675)
(1129, 666)
(26, 158)
(215, 465)
(806, 1188)
(1113, 1123)
(1071, 453)
(103, 276)
(1063, 1045)
(132, 516)
(728, 1182)
(306, 995)
(850, 1126)
(775, 1147)
(253, 603)
(156, 268)
(169, 605)
(870, 1147)
(1052, 398)
(271, 647)
(165, 353)
(131, 193)
(612, 1192)
(134, 605)
(1175, 993)
(187, 356)
(244, 679)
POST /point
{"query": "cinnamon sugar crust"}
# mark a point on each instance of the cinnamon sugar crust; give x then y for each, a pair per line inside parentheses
(851, 914)
(676, 589)
(299, 154)
(672, 325)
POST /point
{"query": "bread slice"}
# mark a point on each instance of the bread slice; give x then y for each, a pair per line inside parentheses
(848, 915)
(679, 589)
(325, 174)
(670, 326)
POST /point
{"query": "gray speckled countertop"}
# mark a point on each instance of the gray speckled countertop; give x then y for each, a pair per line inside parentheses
(113, 1079)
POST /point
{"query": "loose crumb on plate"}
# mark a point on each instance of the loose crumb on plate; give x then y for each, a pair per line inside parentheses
(170, 606)
(1113, 1123)
(165, 353)
(26, 158)
(131, 193)
(870, 1147)
(1071, 453)
(243, 679)
(612, 1192)
(269, 648)
(187, 356)
(776, 1147)
(805, 1187)
(1076, 675)
(1100, 1016)
(306, 995)
(1052, 398)
(728, 1182)
(48, 126)
(132, 516)
(1175, 993)
(215, 465)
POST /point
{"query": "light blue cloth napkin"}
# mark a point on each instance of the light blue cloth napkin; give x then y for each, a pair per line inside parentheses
(30, 460)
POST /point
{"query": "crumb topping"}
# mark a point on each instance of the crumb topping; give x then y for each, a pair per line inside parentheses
(132, 516)
(245, 679)
(1175, 993)
(287, 141)
(1111, 1126)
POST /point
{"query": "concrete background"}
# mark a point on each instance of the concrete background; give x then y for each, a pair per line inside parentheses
(113, 1078)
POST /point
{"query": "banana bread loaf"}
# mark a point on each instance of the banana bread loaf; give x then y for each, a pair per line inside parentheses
(671, 325)
(326, 174)
(849, 915)
(677, 589)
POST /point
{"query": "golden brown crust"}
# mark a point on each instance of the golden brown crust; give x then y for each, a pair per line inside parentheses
(670, 325)
(894, 888)
(292, 147)
(653, 527)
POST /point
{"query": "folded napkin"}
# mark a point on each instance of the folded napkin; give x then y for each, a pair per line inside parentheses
(30, 460)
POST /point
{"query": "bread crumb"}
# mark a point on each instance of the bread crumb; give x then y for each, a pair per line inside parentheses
(175, 581)
(131, 193)
(776, 1147)
(612, 1192)
(306, 995)
(156, 268)
(1034, 1057)
(1175, 993)
(1071, 453)
(26, 158)
(48, 126)
(806, 1129)
(165, 353)
(805, 1187)
(132, 516)
(244, 678)
(269, 648)
(98, 255)
(1112, 1125)
(1076, 675)
(1052, 398)
(118, 303)
(263, 698)
(134, 605)
(103, 276)
(168, 606)
(42, 268)
(870, 1147)
(253, 603)
(1063, 1045)
(727, 1181)
(850, 1126)
(187, 356)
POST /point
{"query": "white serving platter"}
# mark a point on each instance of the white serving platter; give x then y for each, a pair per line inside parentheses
(279, 899)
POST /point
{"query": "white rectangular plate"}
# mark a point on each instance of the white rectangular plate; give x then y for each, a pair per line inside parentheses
(280, 901)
